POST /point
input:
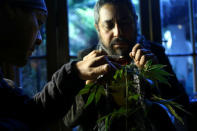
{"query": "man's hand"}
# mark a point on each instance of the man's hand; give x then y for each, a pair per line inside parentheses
(141, 55)
(93, 65)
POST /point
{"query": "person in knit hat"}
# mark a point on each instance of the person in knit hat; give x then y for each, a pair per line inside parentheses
(22, 20)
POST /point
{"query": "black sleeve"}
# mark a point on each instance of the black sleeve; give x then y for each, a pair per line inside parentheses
(77, 114)
(56, 98)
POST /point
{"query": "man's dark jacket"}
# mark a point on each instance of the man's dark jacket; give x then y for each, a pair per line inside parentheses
(19, 112)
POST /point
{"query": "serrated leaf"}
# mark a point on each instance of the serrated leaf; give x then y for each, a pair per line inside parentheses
(121, 72)
(155, 76)
(106, 123)
(147, 65)
(133, 97)
(125, 73)
(169, 104)
(116, 113)
(102, 118)
(99, 92)
(134, 110)
(156, 73)
(165, 73)
(121, 110)
(159, 99)
(90, 99)
(116, 75)
(97, 97)
(173, 112)
(178, 106)
(86, 89)
(162, 79)
(156, 67)
(102, 90)
(89, 85)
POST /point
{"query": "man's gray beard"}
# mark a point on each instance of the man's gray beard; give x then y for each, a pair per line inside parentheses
(111, 51)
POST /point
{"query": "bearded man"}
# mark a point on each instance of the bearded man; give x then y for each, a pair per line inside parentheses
(116, 25)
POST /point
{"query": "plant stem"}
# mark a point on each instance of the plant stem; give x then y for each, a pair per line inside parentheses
(127, 92)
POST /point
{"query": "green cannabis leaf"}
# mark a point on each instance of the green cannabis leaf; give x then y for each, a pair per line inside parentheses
(156, 73)
(121, 86)
(86, 89)
(170, 104)
(90, 98)
(99, 93)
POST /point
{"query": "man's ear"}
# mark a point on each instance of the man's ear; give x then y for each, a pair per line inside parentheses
(97, 28)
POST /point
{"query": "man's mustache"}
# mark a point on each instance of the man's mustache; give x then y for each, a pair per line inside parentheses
(120, 39)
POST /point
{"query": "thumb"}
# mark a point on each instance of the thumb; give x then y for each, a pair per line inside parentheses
(131, 55)
(101, 70)
(89, 81)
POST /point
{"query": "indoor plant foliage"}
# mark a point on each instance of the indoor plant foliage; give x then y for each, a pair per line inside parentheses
(126, 89)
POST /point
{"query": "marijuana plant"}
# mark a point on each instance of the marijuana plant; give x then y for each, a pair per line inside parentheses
(128, 93)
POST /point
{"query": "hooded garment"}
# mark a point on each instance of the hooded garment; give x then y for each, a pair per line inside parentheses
(36, 4)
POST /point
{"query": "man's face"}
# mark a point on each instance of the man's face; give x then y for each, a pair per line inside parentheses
(116, 29)
(20, 35)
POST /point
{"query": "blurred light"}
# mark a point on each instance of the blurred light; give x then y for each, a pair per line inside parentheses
(180, 27)
(168, 37)
(135, 2)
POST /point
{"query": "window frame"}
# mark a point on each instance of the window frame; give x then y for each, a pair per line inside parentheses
(57, 36)
(153, 33)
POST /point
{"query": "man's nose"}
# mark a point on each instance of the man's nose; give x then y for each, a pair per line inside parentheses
(38, 38)
(117, 30)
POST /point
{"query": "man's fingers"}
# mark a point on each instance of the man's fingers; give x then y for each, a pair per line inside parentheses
(93, 54)
(103, 69)
(99, 60)
(143, 59)
(141, 55)
(134, 50)
(141, 52)
(138, 55)
(89, 81)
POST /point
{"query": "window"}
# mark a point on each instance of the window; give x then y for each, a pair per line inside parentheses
(82, 33)
(178, 39)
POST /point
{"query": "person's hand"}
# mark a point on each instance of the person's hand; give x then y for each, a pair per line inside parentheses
(141, 55)
(93, 65)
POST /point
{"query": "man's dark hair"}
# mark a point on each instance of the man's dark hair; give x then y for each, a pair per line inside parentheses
(100, 3)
